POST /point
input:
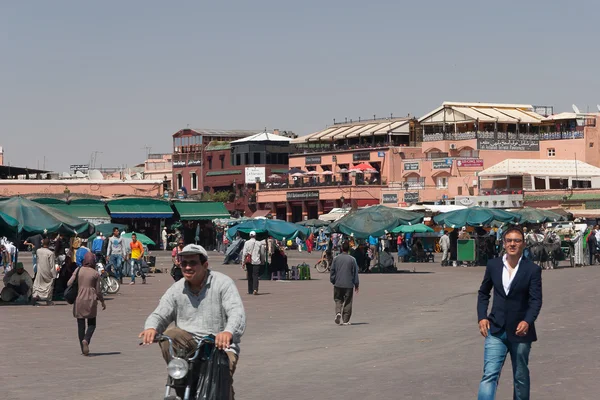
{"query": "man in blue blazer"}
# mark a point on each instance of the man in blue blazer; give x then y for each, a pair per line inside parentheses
(509, 328)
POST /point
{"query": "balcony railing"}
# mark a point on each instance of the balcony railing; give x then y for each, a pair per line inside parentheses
(335, 147)
(313, 184)
(432, 137)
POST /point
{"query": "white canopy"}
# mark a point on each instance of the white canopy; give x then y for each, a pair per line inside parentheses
(541, 168)
(263, 137)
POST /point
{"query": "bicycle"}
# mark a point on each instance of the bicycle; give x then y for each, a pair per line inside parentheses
(324, 264)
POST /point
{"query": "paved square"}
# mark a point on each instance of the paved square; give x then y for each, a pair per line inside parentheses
(414, 336)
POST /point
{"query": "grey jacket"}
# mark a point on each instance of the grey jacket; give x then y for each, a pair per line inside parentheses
(217, 308)
(344, 272)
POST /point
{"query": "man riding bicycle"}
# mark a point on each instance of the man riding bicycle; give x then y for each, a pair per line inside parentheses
(204, 303)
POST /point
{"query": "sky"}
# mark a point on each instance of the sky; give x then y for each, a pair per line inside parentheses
(116, 77)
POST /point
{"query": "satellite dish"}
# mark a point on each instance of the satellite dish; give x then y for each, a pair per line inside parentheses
(96, 175)
(65, 175)
(127, 177)
(576, 109)
(598, 107)
(79, 174)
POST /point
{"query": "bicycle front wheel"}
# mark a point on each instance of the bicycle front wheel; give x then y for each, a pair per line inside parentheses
(321, 266)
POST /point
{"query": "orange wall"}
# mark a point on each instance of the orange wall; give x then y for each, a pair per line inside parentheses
(9, 187)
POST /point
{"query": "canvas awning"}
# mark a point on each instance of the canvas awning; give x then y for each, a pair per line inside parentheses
(81, 208)
(541, 168)
(139, 208)
(198, 210)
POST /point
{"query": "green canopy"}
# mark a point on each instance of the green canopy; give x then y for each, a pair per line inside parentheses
(139, 207)
(536, 216)
(8, 225)
(269, 227)
(107, 229)
(474, 216)
(36, 218)
(81, 208)
(200, 210)
(145, 240)
(374, 221)
(313, 223)
(417, 228)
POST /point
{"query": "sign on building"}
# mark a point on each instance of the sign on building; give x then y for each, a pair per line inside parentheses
(381, 154)
(389, 198)
(255, 174)
(442, 164)
(411, 197)
(470, 162)
(313, 160)
(179, 163)
(512, 145)
(84, 168)
(312, 195)
(193, 163)
(362, 156)
(411, 166)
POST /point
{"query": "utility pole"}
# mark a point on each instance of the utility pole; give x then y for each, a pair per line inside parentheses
(93, 159)
(147, 148)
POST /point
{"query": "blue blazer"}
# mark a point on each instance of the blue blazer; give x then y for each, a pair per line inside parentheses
(523, 302)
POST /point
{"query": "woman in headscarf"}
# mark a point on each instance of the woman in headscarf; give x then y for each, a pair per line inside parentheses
(86, 304)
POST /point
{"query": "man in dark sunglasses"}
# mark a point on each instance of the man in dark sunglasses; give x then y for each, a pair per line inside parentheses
(204, 303)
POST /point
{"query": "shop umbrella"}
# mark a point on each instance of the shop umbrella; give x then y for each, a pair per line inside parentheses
(537, 216)
(417, 228)
(107, 229)
(475, 216)
(314, 223)
(8, 225)
(145, 240)
(269, 227)
(374, 221)
(34, 218)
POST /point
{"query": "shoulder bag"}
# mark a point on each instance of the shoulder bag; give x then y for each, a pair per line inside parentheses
(71, 291)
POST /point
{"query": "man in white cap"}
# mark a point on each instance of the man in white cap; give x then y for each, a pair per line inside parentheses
(204, 303)
(252, 258)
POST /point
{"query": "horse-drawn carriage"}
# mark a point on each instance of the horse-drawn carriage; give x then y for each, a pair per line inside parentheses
(553, 246)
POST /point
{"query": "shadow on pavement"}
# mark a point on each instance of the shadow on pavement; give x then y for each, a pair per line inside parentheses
(109, 353)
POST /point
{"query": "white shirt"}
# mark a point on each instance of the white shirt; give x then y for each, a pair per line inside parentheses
(255, 248)
(506, 277)
(598, 236)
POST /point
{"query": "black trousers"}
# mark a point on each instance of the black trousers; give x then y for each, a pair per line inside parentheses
(252, 276)
(83, 333)
(343, 302)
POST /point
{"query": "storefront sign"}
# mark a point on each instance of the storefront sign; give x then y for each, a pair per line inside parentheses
(411, 197)
(255, 174)
(193, 163)
(179, 163)
(411, 166)
(363, 156)
(442, 164)
(512, 145)
(313, 195)
(313, 160)
(466, 201)
(381, 154)
(389, 198)
(470, 162)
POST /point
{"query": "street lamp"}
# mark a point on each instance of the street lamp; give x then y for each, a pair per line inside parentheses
(67, 193)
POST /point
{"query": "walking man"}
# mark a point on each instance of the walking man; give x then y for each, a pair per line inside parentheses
(252, 257)
(163, 237)
(509, 328)
(43, 285)
(204, 303)
(592, 242)
(137, 252)
(35, 242)
(344, 277)
(445, 245)
(116, 253)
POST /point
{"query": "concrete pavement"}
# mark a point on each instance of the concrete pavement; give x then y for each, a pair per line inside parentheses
(414, 336)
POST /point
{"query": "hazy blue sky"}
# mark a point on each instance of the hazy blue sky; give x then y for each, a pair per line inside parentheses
(114, 76)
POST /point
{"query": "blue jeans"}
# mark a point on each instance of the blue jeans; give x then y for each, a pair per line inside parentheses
(496, 348)
(116, 260)
(34, 262)
(135, 265)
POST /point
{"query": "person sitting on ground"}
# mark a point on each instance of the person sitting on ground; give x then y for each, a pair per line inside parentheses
(278, 261)
(18, 285)
(204, 303)
(418, 251)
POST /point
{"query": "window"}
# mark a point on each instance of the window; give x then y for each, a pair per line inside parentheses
(194, 179)
(222, 162)
(442, 182)
(551, 152)
(179, 182)
(209, 162)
